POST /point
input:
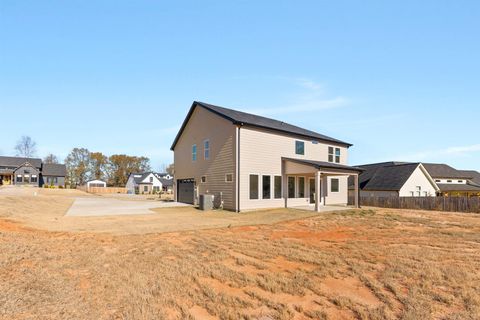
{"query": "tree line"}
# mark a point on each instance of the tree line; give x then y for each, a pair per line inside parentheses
(83, 165)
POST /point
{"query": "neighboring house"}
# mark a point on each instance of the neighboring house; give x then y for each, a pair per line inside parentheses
(54, 174)
(30, 172)
(252, 162)
(396, 179)
(406, 179)
(453, 182)
(165, 176)
(142, 183)
(167, 184)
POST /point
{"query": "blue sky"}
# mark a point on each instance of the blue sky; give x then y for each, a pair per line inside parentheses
(400, 80)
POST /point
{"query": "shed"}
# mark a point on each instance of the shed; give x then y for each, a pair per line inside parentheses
(96, 184)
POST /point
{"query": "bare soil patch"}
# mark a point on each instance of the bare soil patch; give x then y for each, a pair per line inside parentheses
(358, 264)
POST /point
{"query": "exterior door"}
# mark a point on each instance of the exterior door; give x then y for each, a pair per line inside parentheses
(186, 189)
(312, 190)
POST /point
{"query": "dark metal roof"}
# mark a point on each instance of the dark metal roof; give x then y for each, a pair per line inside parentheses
(53, 169)
(390, 177)
(166, 182)
(438, 170)
(325, 165)
(243, 118)
(18, 161)
(446, 187)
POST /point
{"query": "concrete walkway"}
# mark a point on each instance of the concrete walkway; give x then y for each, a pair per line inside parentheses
(94, 207)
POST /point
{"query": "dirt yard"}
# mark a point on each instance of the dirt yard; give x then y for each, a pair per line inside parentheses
(358, 264)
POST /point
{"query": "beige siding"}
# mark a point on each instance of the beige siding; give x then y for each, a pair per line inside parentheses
(221, 134)
(261, 152)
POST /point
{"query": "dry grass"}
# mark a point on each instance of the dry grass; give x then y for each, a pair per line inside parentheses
(364, 264)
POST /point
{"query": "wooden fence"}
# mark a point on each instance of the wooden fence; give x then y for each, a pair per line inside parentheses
(452, 204)
(107, 190)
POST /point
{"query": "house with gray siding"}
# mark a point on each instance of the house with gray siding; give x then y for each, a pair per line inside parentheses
(30, 172)
(252, 162)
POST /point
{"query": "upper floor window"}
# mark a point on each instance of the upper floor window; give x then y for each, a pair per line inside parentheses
(206, 149)
(151, 179)
(194, 152)
(333, 154)
(300, 147)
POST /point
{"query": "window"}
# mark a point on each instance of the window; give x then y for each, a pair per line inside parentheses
(19, 178)
(301, 187)
(206, 149)
(156, 189)
(460, 181)
(333, 154)
(145, 188)
(266, 187)
(151, 179)
(253, 187)
(26, 179)
(449, 181)
(203, 179)
(56, 179)
(412, 194)
(229, 177)
(334, 185)
(425, 193)
(291, 187)
(438, 180)
(34, 178)
(419, 191)
(300, 147)
(278, 187)
(194, 152)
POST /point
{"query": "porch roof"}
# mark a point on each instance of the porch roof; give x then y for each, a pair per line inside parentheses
(6, 171)
(322, 165)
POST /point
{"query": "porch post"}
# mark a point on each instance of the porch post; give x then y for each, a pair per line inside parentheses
(357, 191)
(318, 196)
(284, 183)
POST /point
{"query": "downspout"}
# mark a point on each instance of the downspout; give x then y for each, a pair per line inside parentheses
(237, 151)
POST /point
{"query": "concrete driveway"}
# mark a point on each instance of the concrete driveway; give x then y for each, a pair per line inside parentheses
(94, 207)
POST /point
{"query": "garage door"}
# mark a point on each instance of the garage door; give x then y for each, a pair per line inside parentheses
(185, 190)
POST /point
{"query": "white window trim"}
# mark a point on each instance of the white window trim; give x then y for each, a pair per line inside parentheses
(304, 147)
(295, 187)
(259, 184)
(201, 179)
(270, 176)
(331, 184)
(205, 149)
(228, 174)
(297, 193)
(281, 186)
(194, 153)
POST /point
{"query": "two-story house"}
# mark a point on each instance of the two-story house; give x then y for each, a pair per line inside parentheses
(252, 162)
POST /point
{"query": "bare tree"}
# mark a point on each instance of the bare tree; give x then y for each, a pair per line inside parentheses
(26, 147)
(51, 158)
(171, 169)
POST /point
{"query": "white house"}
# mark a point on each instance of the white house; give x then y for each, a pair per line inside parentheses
(406, 179)
(144, 183)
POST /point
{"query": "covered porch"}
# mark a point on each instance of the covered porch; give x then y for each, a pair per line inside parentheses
(6, 177)
(317, 185)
